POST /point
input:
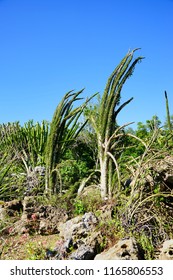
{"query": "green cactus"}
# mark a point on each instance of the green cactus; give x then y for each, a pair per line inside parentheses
(105, 124)
(63, 131)
(167, 113)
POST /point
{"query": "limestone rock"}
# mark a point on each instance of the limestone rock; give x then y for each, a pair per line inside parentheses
(40, 170)
(13, 206)
(166, 252)
(80, 236)
(78, 227)
(125, 249)
(47, 227)
(66, 229)
(50, 218)
(164, 168)
(41, 219)
(3, 213)
(84, 252)
(28, 206)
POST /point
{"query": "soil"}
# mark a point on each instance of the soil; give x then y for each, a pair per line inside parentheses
(26, 247)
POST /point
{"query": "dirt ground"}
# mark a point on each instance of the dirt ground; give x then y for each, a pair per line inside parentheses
(26, 247)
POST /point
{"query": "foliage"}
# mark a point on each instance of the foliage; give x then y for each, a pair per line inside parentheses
(35, 251)
(22, 149)
(141, 205)
(71, 171)
(167, 113)
(113, 161)
(63, 130)
(103, 121)
(146, 245)
(80, 207)
(27, 142)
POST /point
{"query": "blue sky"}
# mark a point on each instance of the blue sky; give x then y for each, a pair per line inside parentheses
(48, 47)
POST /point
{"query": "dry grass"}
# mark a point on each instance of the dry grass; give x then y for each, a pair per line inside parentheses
(25, 247)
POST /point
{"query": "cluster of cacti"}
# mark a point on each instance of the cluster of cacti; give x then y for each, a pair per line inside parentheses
(37, 144)
(36, 138)
(26, 142)
(46, 145)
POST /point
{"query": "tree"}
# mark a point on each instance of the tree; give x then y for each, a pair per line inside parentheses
(144, 130)
(153, 124)
(104, 120)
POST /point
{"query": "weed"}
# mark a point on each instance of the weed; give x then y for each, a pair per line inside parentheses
(147, 246)
(35, 251)
(79, 207)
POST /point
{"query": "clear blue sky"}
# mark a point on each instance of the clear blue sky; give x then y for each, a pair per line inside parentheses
(48, 47)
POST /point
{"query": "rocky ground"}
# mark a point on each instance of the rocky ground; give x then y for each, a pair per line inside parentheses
(47, 232)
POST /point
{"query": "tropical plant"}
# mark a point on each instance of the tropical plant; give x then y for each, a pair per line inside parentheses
(104, 121)
(168, 118)
(142, 203)
(36, 136)
(6, 163)
(22, 149)
(27, 142)
(64, 130)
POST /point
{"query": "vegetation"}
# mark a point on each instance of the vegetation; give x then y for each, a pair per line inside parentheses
(56, 161)
(105, 126)
(64, 130)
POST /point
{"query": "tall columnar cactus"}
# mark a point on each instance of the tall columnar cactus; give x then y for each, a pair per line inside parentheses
(167, 113)
(28, 142)
(63, 131)
(105, 126)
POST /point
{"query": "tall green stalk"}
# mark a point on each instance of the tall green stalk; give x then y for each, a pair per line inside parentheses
(36, 139)
(27, 142)
(63, 131)
(106, 126)
(167, 113)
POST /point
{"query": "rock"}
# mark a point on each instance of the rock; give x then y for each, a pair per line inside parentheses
(89, 220)
(107, 211)
(40, 170)
(29, 205)
(3, 213)
(125, 249)
(41, 219)
(34, 177)
(50, 218)
(67, 229)
(21, 227)
(86, 248)
(78, 227)
(164, 168)
(62, 249)
(80, 237)
(166, 252)
(84, 252)
(13, 206)
(47, 227)
(9, 209)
